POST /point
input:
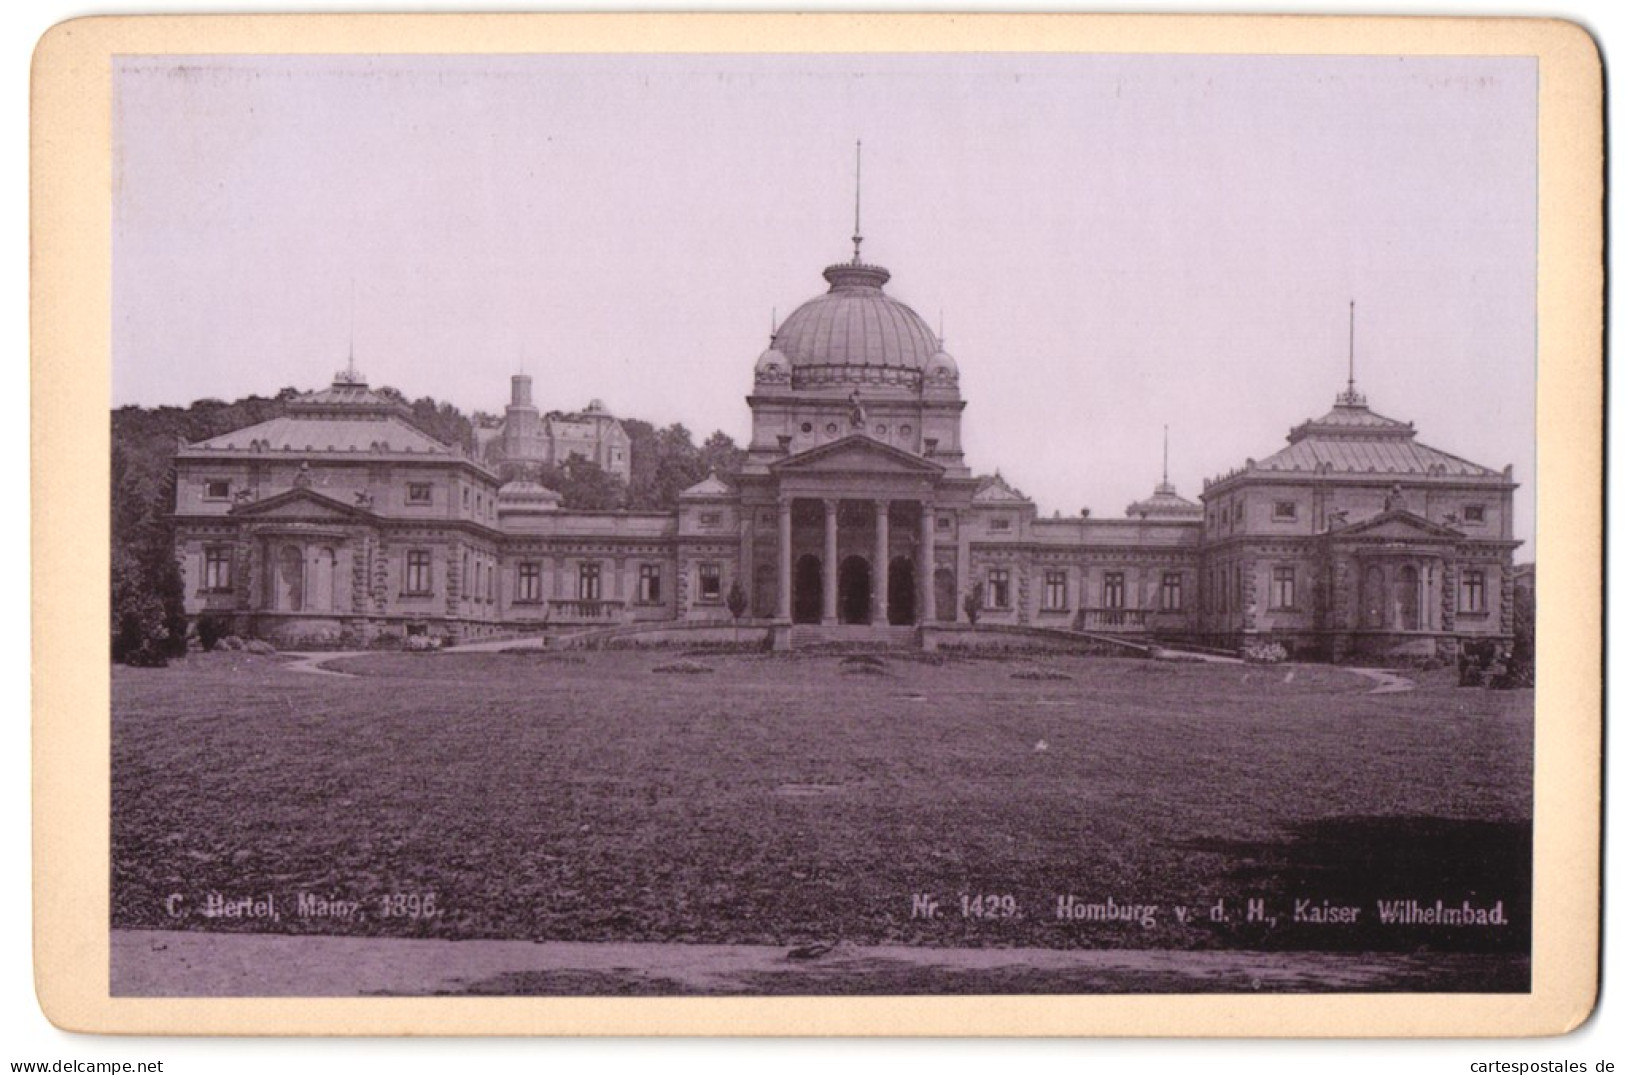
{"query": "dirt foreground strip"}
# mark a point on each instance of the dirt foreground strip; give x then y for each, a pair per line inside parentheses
(191, 964)
(316, 663)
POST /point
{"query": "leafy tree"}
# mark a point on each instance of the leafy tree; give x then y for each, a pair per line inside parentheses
(722, 455)
(1520, 670)
(645, 454)
(583, 484)
(148, 599)
(738, 602)
(974, 603)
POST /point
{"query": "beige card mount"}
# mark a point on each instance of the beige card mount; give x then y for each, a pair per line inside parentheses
(460, 683)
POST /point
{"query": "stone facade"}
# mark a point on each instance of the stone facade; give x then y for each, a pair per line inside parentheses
(341, 522)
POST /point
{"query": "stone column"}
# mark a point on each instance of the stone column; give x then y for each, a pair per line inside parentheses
(882, 573)
(831, 551)
(785, 567)
(928, 565)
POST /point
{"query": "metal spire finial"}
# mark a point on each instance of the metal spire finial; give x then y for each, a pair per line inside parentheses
(1351, 347)
(1165, 454)
(349, 375)
(1350, 397)
(351, 368)
(857, 211)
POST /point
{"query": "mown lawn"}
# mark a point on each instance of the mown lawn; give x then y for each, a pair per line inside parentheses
(787, 799)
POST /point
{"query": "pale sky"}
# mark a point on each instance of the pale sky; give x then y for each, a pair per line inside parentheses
(1111, 242)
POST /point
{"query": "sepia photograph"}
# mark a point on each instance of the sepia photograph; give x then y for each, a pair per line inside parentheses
(822, 525)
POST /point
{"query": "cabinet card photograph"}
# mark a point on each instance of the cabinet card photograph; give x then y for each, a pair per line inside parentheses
(922, 515)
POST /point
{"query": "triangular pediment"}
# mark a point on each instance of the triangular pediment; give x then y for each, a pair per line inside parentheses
(1400, 525)
(857, 454)
(300, 504)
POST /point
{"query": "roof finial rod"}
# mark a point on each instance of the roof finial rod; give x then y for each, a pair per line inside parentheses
(352, 328)
(857, 211)
(350, 376)
(773, 334)
(1351, 347)
(1350, 397)
(1165, 453)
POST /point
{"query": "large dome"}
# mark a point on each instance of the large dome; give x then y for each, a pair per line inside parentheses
(856, 324)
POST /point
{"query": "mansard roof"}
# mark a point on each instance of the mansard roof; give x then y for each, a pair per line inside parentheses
(1352, 439)
(344, 417)
(322, 433)
(1164, 503)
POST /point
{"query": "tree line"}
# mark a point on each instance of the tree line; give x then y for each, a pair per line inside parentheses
(148, 615)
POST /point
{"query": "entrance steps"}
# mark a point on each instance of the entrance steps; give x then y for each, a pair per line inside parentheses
(855, 635)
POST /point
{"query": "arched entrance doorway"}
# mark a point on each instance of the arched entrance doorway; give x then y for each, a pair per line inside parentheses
(290, 579)
(1374, 597)
(808, 605)
(1409, 596)
(853, 586)
(900, 591)
(322, 579)
(947, 595)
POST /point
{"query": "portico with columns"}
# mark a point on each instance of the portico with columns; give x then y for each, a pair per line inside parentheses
(856, 540)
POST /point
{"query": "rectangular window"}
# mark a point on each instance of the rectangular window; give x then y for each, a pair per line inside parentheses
(945, 524)
(589, 581)
(530, 582)
(1173, 591)
(649, 584)
(1473, 513)
(465, 496)
(1285, 510)
(1472, 591)
(490, 582)
(417, 572)
(217, 569)
(217, 489)
(419, 492)
(1114, 589)
(710, 582)
(998, 588)
(1284, 588)
(1055, 590)
(710, 518)
(998, 525)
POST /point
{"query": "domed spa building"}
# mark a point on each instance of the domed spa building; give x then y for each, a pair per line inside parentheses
(855, 517)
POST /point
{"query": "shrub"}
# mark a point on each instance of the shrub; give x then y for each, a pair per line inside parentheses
(211, 628)
(1264, 653)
